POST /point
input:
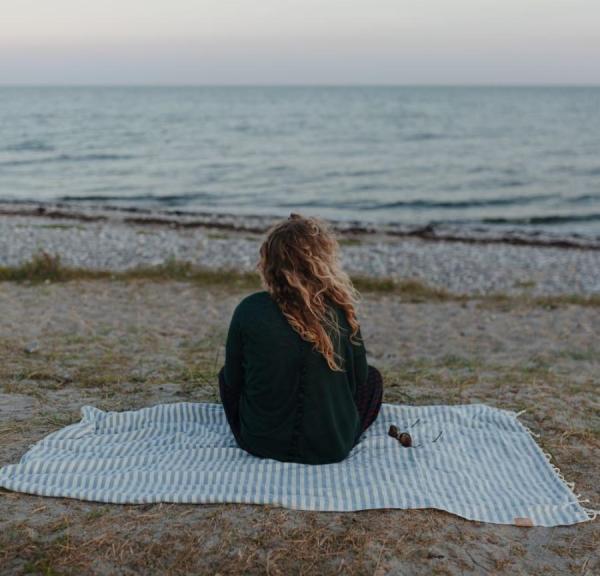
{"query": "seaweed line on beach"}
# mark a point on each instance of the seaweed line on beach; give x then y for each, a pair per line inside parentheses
(454, 267)
(259, 223)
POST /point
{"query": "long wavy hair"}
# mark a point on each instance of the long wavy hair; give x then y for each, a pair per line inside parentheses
(299, 266)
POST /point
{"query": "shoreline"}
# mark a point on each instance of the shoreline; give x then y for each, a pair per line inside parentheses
(259, 223)
(104, 240)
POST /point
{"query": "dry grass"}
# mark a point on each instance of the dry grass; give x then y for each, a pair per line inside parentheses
(357, 544)
(44, 267)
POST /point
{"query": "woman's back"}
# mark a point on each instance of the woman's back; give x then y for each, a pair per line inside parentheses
(296, 385)
(292, 406)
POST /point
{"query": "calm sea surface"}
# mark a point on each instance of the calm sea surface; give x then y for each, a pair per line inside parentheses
(504, 157)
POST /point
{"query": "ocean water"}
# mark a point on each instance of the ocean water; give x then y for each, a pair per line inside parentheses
(526, 158)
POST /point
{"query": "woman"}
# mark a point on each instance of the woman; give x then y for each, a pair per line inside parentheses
(296, 386)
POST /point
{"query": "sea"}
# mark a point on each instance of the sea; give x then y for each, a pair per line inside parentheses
(505, 158)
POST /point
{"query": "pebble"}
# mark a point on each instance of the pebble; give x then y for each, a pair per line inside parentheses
(456, 266)
(31, 348)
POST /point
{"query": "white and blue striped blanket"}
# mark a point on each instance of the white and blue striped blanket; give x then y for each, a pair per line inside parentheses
(485, 465)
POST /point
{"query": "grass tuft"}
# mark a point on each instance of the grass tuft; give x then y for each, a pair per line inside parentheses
(412, 290)
(45, 267)
(42, 266)
(186, 272)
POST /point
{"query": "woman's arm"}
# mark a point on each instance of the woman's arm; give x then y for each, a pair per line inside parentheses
(231, 378)
(361, 368)
(234, 369)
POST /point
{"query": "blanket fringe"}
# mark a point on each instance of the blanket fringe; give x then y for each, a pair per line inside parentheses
(592, 513)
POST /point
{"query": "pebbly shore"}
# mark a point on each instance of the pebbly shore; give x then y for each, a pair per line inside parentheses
(118, 240)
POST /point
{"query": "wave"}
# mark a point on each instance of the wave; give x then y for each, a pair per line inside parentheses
(471, 203)
(367, 187)
(481, 168)
(167, 199)
(511, 183)
(574, 171)
(102, 198)
(583, 199)
(67, 158)
(29, 146)
(423, 136)
(423, 204)
(543, 220)
(495, 182)
(95, 195)
(116, 195)
(355, 173)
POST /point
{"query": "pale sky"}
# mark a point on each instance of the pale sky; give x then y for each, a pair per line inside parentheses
(300, 42)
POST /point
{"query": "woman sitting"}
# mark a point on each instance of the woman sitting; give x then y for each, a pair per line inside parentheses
(296, 386)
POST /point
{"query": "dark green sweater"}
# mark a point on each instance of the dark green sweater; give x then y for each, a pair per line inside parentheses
(293, 407)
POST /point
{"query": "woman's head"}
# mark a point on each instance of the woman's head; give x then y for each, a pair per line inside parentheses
(300, 268)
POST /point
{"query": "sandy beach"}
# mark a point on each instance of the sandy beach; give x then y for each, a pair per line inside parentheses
(512, 324)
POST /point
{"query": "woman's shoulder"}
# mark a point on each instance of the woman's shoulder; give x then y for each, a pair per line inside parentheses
(256, 310)
(254, 301)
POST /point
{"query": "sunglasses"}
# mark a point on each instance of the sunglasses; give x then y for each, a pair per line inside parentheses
(403, 437)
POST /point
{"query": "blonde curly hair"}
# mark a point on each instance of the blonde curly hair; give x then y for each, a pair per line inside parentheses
(299, 266)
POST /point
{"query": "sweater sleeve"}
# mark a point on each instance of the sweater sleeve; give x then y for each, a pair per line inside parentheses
(234, 368)
(361, 368)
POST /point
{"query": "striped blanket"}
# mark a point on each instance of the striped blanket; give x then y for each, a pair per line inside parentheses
(475, 461)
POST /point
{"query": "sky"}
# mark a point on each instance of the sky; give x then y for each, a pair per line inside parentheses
(300, 42)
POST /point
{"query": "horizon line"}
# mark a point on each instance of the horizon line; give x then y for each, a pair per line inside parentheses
(305, 85)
